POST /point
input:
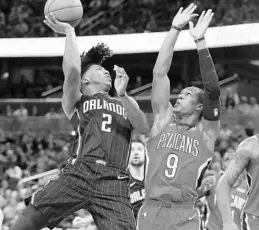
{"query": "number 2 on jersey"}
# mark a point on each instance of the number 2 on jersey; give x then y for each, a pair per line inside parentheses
(107, 120)
(171, 164)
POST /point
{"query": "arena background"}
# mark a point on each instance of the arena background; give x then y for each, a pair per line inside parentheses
(36, 136)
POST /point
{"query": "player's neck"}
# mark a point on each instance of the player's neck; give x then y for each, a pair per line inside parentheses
(188, 119)
(92, 90)
(137, 172)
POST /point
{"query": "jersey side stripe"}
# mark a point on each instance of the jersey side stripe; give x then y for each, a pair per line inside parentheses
(79, 144)
(207, 214)
(201, 172)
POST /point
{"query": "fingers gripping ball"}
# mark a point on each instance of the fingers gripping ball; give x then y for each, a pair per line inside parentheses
(70, 11)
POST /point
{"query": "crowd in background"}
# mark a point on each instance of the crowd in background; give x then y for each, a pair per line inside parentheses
(23, 18)
(25, 153)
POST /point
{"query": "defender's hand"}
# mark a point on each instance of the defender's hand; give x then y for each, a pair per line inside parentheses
(184, 16)
(55, 25)
(202, 25)
(121, 80)
(208, 183)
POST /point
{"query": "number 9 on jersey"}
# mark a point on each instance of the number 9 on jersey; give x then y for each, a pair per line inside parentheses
(171, 165)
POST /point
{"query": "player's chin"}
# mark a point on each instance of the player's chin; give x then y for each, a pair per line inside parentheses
(108, 86)
(176, 108)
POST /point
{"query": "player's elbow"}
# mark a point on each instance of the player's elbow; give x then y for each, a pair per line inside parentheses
(159, 72)
(142, 128)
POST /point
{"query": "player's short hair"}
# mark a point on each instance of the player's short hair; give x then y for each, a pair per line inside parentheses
(95, 56)
(138, 141)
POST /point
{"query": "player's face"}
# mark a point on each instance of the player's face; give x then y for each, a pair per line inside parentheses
(137, 154)
(186, 103)
(100, 76)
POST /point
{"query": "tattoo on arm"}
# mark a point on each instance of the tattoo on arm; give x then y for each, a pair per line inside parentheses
(237, 166)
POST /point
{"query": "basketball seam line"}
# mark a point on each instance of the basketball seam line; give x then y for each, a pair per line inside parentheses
(50, 5)
(63, 8)
(72, 21)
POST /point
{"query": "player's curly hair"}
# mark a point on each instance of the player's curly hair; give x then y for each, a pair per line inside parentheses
(96, 55)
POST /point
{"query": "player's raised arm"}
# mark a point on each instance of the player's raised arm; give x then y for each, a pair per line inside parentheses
(211, 101)
(137, 118)
(160, 94)
(71, 65)
(245, 152)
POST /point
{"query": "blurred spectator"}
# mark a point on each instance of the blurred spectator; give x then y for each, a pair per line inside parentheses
(254, 107)
(138, 82)
(231, 100)
(35, 111)
(21, 113)
(250, 130)
(178, 88)
(8, 111)
(225, 132)
(243, 107)
(51, 114)
(25, 19)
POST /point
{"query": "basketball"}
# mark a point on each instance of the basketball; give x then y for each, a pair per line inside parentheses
(70, 11)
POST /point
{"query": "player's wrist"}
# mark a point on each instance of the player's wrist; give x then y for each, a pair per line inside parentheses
(176, 28)
(69, 29)
(121, 94)
(200, 43)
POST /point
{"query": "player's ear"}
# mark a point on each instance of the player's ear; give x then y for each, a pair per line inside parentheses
(86, 80)
(199, 107)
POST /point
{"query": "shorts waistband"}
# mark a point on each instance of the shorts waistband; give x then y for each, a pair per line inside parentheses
(102, 162)
(169, 204)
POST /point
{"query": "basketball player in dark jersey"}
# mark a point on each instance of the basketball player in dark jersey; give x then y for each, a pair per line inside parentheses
(98, 179)
(238, 198)
(137, 165)
(182, 137)
(245, 160)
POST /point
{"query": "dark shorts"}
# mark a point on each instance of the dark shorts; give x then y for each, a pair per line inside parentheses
(164, 215)
(87, 185)
(250, 222)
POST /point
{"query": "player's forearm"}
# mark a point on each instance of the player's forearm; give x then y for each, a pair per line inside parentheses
(137, 118)
(165, 55)
(208, 72)
(210, 82)
(223, 199)
(71, 59)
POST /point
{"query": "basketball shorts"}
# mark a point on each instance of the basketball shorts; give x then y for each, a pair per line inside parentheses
(163, 215)
(100, 189)
(250, 222)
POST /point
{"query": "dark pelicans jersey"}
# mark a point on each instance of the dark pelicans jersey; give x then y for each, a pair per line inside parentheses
(252, 203)
(137, 194)
(104, 131)
(237, 198)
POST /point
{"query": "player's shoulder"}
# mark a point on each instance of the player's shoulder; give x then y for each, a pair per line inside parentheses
(250, 147)
(162, 122)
